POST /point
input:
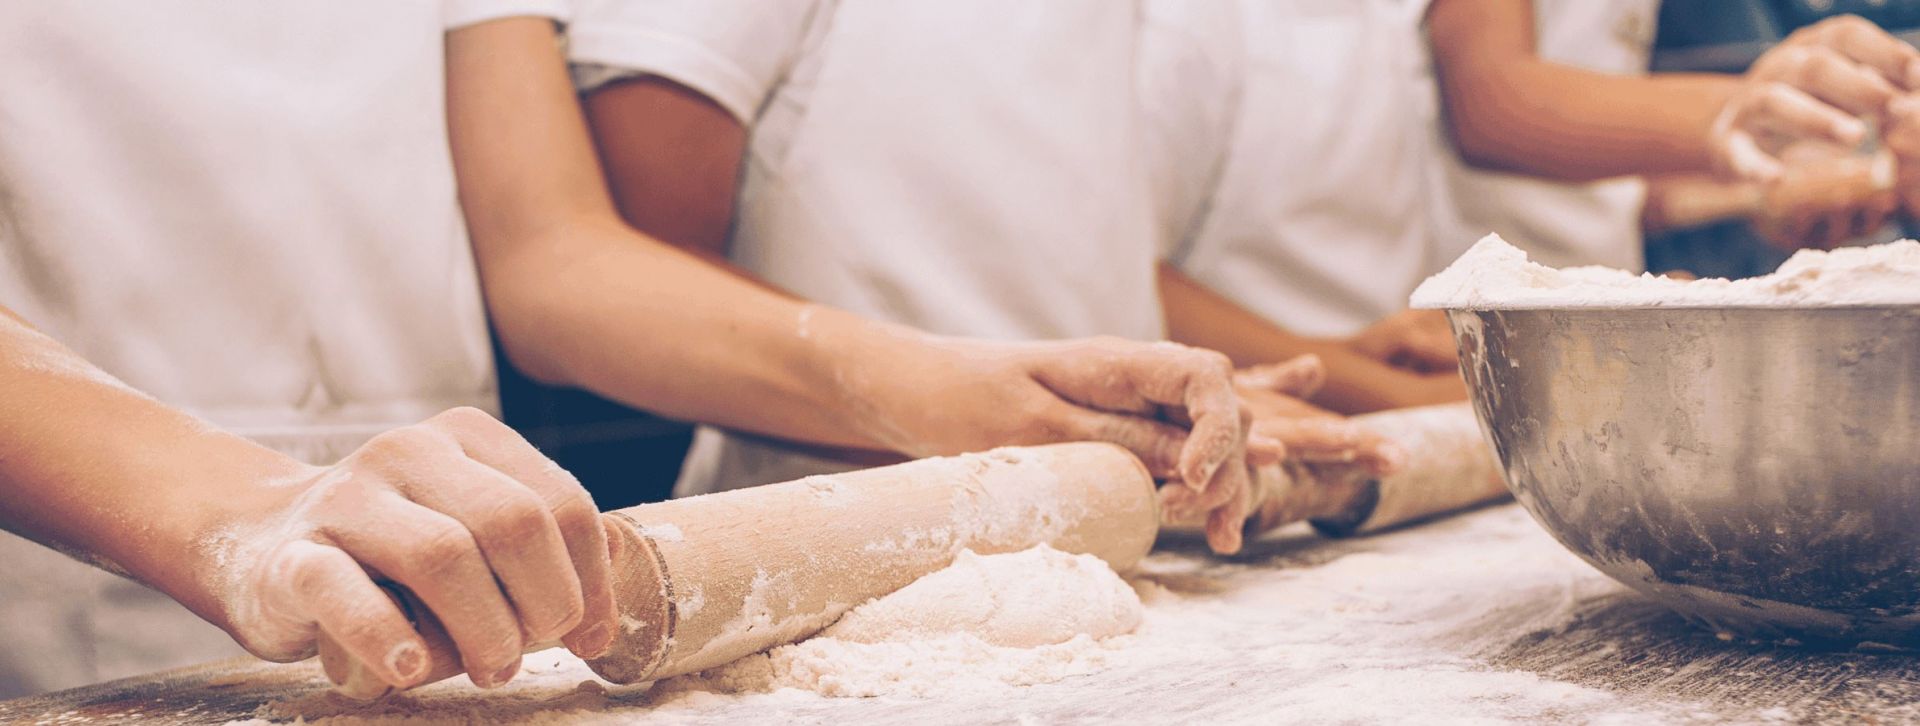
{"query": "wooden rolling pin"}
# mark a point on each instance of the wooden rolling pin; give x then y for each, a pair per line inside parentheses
(703, 581)
(1449, 467)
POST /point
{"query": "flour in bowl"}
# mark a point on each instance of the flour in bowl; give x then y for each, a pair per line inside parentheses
(1495, 275)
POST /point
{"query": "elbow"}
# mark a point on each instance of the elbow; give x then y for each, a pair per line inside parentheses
(1476, 140)
(526, 346)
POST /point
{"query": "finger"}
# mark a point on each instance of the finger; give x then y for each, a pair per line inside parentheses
(1745, 160)
(1117, 375)
(436, 558)
(1782, 109)
(1263, 450)
(1300, 376)
(1854, 88)
(1218, 432)
(1334, 441)
(572, 509)
(1157, 444)
(330, 589)
(517, 536)
(1195, 502)
(1864, 42)
(1226, 525)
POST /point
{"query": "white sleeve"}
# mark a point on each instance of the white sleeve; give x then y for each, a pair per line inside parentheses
(460, 13)
(733, 51)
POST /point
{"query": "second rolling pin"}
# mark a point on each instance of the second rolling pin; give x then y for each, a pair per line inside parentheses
(1449, 467)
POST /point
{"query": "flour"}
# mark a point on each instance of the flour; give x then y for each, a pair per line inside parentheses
(1041, 596)
(1300, 630)
(1014, 619)
(1495, 275)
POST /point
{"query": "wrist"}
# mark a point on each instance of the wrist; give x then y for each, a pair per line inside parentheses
(852, 364)
(212, 522)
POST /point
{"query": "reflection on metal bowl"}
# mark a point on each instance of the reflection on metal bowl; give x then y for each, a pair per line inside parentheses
(1757, 469)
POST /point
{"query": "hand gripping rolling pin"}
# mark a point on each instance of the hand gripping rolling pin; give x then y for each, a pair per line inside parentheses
(703, 581)
(1449, 467)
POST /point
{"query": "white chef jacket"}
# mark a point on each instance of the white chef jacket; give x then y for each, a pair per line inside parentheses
(1558, 224)
(966, 168)
(1319, 218)
(248, 211)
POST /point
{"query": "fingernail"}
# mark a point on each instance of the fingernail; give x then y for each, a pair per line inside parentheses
(408, 660)
(506, 674)
(1199, 483)
(596, 641)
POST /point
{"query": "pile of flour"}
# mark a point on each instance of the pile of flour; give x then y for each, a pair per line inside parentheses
(1495, 275)
(1022, 618)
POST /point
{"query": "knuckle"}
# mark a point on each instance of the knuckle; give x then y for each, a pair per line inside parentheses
(443, 550)
(469, 421)
(576, 513)
(514, 519)
(403, 442)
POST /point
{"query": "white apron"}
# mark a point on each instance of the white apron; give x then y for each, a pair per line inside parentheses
(248, 211)
(1319, 221)
(966, 168)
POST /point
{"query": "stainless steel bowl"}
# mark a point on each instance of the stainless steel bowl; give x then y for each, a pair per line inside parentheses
(1756, 469)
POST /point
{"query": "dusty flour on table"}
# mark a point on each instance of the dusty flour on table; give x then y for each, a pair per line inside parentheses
(1010, 619)
(1379, 630)
(1496, 275)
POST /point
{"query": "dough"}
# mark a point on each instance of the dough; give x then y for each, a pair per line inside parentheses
(1026, 599)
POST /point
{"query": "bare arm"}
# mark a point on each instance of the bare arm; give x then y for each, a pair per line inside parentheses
(1509, 109)
(580, 298)
(1355, 383)
(92, 467)
(491, 536)
(673, 160)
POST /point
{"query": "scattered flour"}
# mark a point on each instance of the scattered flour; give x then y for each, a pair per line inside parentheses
(1041, 596)
(1301, 630)
(1021, 618)
(1495, 275)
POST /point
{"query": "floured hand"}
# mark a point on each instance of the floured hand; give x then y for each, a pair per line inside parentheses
(1171, 405)
(500, 544)
(1815, 85)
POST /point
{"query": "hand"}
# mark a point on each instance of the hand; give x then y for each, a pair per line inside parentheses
(1812, 86)
(1171, 405)
(1420, 341)
(1288, 432)
(500, 544)
(1902, 139)
(1286, 428)
(1827, 197)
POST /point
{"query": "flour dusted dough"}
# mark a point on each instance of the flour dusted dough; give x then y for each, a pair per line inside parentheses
(1026, 599)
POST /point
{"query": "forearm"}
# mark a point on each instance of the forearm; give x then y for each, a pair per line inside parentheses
(1202, 318)
(96, 469)
(600, 307)
(1564, 123)
(1508, 109)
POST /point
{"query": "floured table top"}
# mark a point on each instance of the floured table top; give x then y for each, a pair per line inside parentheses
(1478, 618)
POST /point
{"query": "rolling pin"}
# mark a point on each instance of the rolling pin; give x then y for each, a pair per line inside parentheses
(703, 581)
(1449, 467)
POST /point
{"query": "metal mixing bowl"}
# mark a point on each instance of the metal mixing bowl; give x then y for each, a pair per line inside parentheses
(1756, 469)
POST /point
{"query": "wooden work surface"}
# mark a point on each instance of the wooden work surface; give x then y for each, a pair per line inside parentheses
(1524, 632)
